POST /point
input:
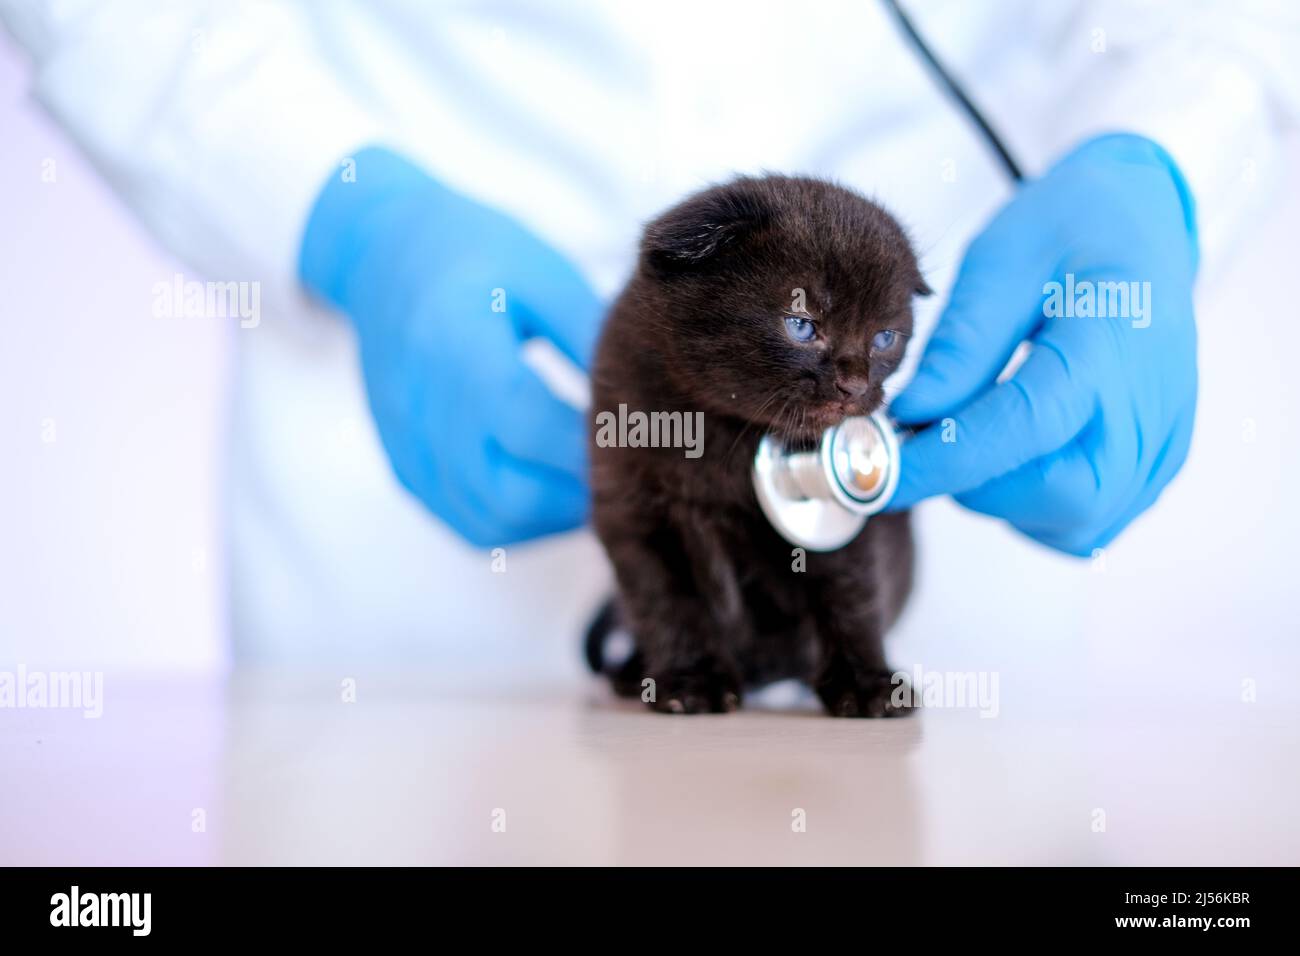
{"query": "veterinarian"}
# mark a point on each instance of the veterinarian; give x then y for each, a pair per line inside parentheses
(421, 189)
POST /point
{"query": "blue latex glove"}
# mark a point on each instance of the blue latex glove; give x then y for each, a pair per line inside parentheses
(1097, 421)
(470, 430)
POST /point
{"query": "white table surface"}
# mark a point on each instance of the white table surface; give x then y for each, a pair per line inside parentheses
(286, 772)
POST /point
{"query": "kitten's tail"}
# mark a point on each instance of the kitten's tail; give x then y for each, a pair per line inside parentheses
(601, 627)
(624, 675)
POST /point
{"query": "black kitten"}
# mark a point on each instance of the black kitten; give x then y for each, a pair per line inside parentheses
(768, 304)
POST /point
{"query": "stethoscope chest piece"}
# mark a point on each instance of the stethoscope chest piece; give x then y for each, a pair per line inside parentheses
(821, 499)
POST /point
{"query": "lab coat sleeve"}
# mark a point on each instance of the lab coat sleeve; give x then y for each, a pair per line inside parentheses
(218, 123)
(1217, 84)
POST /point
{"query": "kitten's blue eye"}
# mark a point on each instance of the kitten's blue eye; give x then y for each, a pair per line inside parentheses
(884, 340)
(799, 328)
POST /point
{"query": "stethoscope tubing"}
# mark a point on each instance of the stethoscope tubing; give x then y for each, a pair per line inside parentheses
(956, 91)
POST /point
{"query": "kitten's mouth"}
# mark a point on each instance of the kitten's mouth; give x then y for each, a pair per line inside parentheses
(827, 414)
(816, 417)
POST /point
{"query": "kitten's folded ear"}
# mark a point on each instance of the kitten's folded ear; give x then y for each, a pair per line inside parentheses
(693, 233)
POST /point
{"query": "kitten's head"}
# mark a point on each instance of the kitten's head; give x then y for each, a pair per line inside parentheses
(781, 301)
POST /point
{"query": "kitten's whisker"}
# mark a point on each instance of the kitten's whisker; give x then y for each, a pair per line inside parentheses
(752, 421)
(783, 424)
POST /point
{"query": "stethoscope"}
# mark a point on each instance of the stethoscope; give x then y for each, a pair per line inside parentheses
(821, 499)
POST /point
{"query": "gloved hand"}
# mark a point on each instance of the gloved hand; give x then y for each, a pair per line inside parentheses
(443, 291)
(1098, 419)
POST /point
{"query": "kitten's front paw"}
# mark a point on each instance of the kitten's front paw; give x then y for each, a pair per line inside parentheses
(876, 694)
(696, 692)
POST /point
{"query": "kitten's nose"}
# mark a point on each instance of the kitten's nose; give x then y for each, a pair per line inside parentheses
(852, 386)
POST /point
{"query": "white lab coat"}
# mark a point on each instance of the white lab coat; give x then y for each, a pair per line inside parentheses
(219, 122)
